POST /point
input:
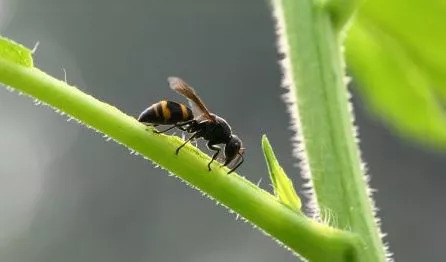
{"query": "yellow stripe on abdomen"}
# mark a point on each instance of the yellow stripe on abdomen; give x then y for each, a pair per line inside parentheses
(155, 108)
(184, 112)
(166, 111)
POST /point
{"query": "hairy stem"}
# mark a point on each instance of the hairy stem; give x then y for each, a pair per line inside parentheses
(315, 73)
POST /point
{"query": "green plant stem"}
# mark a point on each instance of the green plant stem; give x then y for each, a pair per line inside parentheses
(312, 240)
(332, 153)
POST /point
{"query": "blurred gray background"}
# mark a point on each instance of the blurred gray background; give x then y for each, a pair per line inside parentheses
(66, 194)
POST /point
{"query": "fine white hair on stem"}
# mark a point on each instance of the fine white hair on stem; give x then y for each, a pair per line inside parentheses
(363, 166)
(64, 74)
(36, 45)
(288, 83)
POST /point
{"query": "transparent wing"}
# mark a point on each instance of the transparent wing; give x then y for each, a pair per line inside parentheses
(198, 108)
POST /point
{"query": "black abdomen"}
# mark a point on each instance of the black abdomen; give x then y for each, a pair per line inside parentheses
(166, 113)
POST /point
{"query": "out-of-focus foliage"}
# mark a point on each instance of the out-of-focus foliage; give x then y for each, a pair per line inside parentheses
(397, 52)
(15, 52)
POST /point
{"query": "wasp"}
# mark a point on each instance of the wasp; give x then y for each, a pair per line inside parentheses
(196, 120)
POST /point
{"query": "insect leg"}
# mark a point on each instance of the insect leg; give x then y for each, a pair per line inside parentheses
(187, 141)
(165, 130)
(216, 149)
(180, 126)
(236, 166)
(149, 124)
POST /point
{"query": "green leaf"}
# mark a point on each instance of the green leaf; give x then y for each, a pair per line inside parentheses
(15, 52)
(283, 186)
(396, 51)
